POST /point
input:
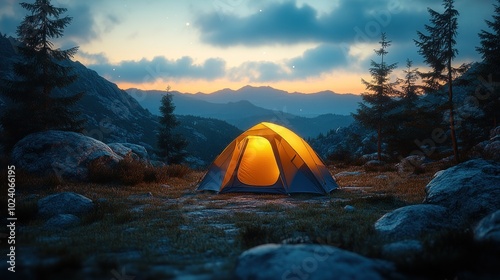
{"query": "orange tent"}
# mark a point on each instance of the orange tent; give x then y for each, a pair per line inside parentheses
(268, 158)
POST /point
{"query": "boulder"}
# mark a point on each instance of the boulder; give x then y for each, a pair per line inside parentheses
(410, 163)
(64, 203)
(60, 153)
(411, 222)
(488, 229)
(62, 221)
(470, 190)
(489, 149)
(406, 249)
(137, 152)
(306, 261)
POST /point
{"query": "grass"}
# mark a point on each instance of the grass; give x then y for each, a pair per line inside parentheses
(185, 230)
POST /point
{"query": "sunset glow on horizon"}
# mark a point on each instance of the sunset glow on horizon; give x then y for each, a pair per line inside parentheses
(205, 46)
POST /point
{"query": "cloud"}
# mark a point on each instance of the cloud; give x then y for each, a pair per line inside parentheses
(83, 28)
(145, 70)
(349, 22)
(312, 63)
(353, 21)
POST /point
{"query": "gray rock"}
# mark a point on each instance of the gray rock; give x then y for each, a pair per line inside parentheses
(470, 190)
(382, 177)
(413, 221)
(137, 152)
(488, 228)
(349, 208)
(374, 163)
(402, 249)
(62, 221)
(60, 153)
(408, 164)
(64, 203)
(120, 149)
(374, 156)
(305, 261)
(349, 173)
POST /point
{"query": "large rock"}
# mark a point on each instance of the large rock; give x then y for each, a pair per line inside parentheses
(62, 221)
(410, 163)
(273, 261)
(470, 190)
(64, 203)
(406, 249)
(60, 153)
(488, 228)
(414, 221)
(489, 149)
(137, 152)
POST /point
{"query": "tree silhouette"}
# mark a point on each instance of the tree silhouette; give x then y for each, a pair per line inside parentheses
(375, 114)
(171, 145)
(438, 50)
(42, 69)
(490, 52)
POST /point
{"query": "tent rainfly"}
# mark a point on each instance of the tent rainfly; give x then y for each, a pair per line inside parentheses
(268, 158)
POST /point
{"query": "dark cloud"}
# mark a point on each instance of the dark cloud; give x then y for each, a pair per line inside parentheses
(313, 62)
(82, 29)
(286, 23)
(352, 21)
(146, 70)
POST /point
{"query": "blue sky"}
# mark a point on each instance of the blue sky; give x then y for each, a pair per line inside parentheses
(205, 45)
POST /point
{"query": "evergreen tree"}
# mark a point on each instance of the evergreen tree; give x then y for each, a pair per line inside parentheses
(34, 107)
(375, 115)
(438, 50)
(170, 144)
(490, 52)
(409, 121)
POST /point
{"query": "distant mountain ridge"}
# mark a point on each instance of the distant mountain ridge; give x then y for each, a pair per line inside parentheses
(298, 104)
(242, 113)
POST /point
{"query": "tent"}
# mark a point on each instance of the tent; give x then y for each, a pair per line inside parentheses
(268, 158)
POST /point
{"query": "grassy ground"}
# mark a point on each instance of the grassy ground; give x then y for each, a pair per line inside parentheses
(164, 229)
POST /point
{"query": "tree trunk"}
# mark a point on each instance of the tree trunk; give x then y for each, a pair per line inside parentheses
(452, 115)
(379, 142)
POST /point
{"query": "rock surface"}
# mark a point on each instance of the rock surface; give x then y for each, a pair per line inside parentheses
(64, 203)
(410, 163)
(402, 249)
(470, 190)
(60, 153)
(137, 152)
(488, 228)
(273, 261)
(62, 221)
(413, 221)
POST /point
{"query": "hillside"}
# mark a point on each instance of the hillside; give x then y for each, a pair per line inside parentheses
(113, 115)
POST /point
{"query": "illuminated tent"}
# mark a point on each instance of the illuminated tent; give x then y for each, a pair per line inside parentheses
(268, 158)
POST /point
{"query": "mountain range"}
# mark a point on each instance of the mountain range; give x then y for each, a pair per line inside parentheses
(238, 108)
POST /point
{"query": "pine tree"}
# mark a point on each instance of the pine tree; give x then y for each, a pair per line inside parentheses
(375, 114)
(170, 144)
(490, 52)
(41, 70)
(438, 50)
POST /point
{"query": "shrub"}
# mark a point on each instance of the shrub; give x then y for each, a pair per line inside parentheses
(132, 172)
(178, 170)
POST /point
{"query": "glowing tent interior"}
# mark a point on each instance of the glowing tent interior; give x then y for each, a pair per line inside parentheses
(268, 158)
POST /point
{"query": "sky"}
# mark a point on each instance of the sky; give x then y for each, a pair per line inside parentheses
(207, 45)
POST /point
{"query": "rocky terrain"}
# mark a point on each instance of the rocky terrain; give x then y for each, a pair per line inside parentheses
(379, 225)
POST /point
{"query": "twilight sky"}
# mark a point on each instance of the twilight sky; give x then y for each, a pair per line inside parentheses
(207, 45)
